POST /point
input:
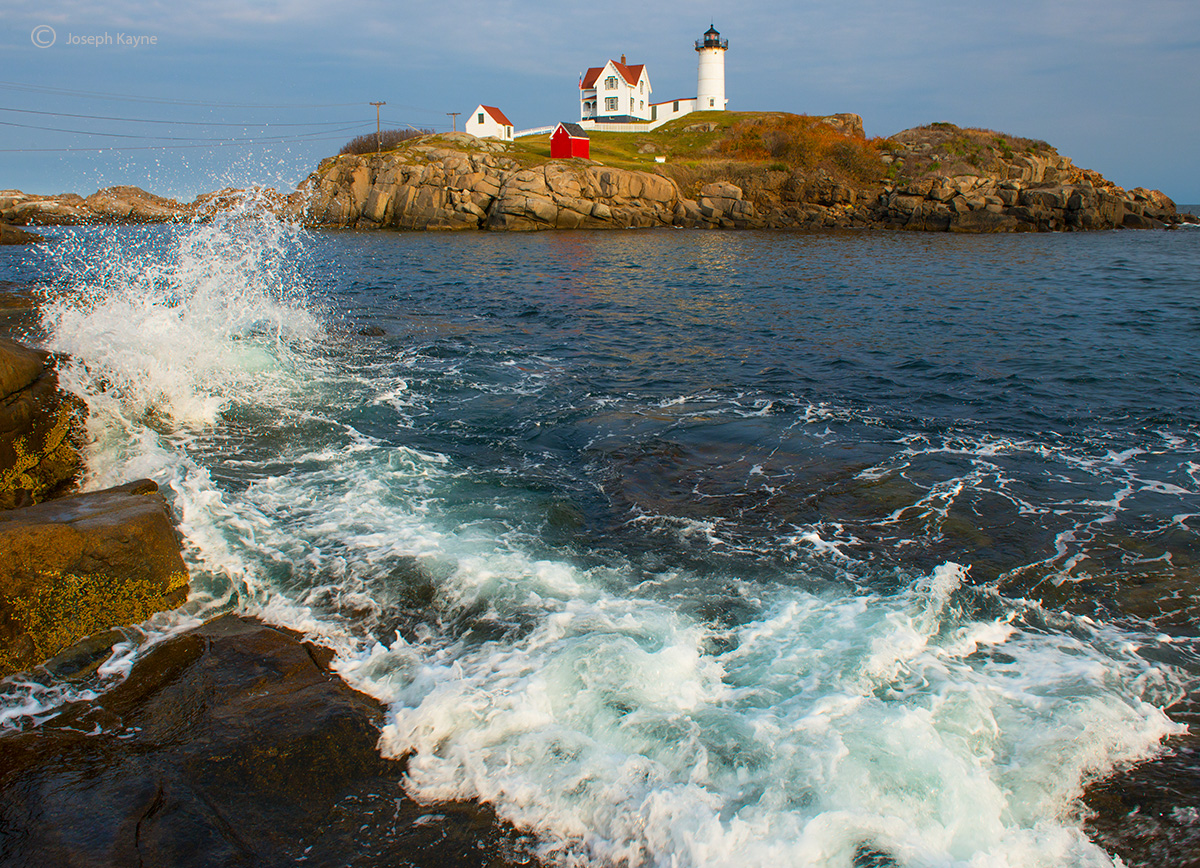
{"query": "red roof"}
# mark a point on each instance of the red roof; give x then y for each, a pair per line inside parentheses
(631, 73)
(497, 115)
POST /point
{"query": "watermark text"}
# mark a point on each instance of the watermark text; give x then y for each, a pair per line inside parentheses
(43, 36)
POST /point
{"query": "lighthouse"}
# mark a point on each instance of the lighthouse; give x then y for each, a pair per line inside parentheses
(710, 87)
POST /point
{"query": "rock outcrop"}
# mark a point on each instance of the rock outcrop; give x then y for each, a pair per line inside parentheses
(111, 205)
(429, 187)
(23, 209)
(232, 744)
(80, 564)
(133, 205)
(40, 428)
(971, 203)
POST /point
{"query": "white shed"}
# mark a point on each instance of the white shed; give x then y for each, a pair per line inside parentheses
(488, 122)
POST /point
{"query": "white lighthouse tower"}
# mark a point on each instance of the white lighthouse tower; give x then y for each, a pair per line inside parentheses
(710, 88)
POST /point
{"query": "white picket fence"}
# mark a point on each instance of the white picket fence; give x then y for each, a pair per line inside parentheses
(602, 128)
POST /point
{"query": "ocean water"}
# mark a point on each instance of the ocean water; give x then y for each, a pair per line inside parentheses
(681, 548)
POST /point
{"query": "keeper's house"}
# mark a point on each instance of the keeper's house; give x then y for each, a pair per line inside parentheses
(615, 93)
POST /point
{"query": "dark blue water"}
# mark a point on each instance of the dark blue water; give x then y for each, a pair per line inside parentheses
(1048, 374)
(689, 548)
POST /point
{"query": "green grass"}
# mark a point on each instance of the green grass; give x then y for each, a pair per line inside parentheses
(673, 140)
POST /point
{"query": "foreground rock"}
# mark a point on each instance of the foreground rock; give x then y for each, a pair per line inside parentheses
(40, 428)
(229, 745)
(1146, 814)
(80, 564)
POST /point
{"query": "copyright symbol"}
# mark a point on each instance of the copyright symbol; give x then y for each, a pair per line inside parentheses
(43, 36)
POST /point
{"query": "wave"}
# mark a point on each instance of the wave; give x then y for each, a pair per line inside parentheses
(625, 712)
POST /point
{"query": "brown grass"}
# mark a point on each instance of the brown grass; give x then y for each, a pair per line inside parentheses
(803, 143)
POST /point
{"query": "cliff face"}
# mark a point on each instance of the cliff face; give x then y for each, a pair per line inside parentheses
(430, 186)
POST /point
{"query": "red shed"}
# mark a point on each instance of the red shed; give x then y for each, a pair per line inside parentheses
(569, 140)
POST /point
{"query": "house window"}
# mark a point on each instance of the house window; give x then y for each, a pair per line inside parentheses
(610, 83)
(642, 104)
(653, 112)
(675, 106)
(642, 86)
(508, 132)
(480, 118)
(610, 103)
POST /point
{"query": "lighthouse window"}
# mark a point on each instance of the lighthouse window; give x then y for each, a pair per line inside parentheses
(610, 103)
(711, 102)
(610, 83)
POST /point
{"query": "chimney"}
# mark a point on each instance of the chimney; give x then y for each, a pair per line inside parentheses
(622, 60)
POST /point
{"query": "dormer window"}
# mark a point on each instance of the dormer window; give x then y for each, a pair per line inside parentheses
(610, 83)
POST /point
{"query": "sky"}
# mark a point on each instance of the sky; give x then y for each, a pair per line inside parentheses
(186, 97)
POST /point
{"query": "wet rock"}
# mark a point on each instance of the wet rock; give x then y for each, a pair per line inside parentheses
(81, 564)
(13, 235)
(1149, 814)
(40, 428)
(234, 745)
(983, 221)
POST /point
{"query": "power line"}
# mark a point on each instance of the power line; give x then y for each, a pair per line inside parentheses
(90, 94)
(174, 123)
(217, 144)
(295, 137)
(58, 91)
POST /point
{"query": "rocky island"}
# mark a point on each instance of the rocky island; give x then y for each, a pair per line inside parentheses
(725, 170)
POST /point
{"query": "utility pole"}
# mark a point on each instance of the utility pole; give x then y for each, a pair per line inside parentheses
(378, 134)
(453, 120)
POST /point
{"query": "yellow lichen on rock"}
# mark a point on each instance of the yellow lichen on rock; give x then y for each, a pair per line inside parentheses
(80, 564)
(62, 608)
(36, 470)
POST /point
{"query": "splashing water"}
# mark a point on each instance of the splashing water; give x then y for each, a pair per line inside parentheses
(176, 334)
(934, 724)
